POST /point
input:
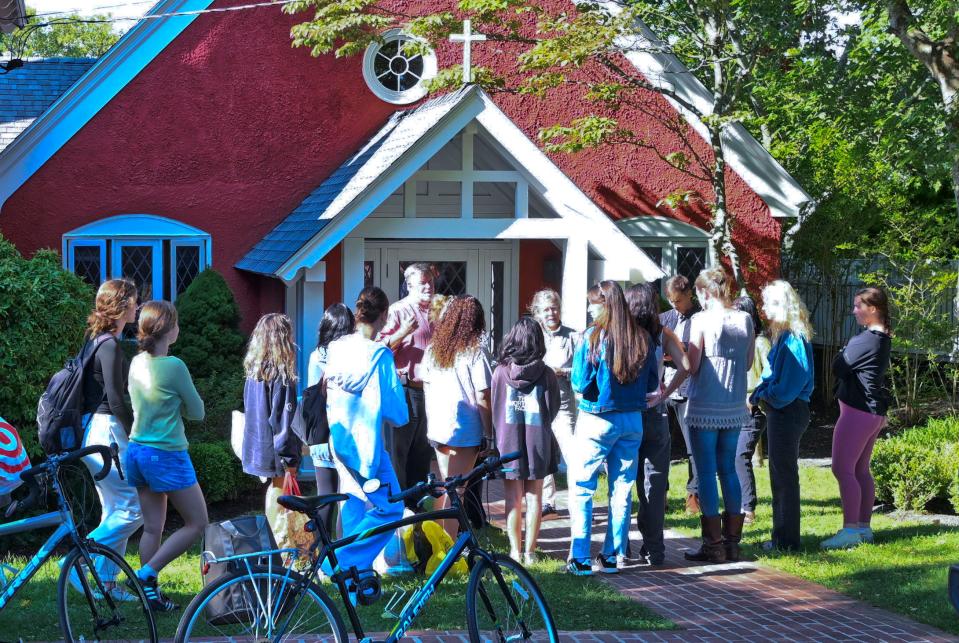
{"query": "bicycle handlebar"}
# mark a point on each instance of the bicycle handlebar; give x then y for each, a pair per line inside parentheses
(489, 466)
(107, 454)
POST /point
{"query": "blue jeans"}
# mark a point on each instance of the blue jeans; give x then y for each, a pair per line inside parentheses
(366, 511)
(715, 454)
(612, 438)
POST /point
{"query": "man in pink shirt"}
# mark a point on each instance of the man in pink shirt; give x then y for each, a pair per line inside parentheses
(407, 333)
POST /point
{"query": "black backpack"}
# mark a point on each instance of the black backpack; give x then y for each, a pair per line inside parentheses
(67, 399)
(309, 421)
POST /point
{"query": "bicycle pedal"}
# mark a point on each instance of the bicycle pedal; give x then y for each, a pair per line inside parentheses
(390, 610)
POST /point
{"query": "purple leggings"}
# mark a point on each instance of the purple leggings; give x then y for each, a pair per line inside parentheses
(852, 442)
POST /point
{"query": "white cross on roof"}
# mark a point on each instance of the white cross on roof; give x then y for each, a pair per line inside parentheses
(467, 38)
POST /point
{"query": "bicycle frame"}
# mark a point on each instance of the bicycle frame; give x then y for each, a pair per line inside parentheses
(466, 540)
(66, 529)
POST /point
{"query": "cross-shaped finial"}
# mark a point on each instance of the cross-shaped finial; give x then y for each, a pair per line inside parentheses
(467, 38)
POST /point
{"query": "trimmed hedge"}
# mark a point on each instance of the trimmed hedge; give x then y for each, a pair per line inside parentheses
(919, 465)
(219, 473)
(43, 311)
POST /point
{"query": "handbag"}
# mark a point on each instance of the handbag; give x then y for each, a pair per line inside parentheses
(288, 526)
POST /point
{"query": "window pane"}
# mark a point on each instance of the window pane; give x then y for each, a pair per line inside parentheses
(88, 263)
(187, 266)
(368, 267)
(690, 261)
(136, 263)
(656, 254)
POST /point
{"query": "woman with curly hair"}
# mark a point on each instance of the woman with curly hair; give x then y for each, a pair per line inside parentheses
(270, 447)
(784, 394)
(456, 377)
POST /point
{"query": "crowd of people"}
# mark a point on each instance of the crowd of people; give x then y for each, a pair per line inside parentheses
(405, 383)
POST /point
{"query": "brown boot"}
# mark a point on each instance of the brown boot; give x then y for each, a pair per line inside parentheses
(732, 534)
(692, 504)
(712, 550)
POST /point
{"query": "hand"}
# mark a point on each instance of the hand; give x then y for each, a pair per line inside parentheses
(561, 372)
(407, 327)
(654, 399)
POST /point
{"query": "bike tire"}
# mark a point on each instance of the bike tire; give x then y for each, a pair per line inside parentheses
(488, 617)
(76, 609)
(251, 585)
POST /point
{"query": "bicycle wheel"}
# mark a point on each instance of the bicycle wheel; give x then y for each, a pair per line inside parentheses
(95, 615)
(513, 610)
(261, 605)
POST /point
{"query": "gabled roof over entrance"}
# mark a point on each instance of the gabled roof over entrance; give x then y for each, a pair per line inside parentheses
(402, 147)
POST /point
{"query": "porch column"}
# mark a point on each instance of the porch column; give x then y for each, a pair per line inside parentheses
(575, 280)
(314, 279)
(354, 255)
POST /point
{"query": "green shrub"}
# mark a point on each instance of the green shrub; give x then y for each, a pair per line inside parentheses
(43, 310)
(918, 465)
(218, 471)
(212, 346)
(954, 492)
(210, 341)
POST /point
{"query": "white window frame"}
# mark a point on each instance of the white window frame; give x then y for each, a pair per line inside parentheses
(394, 97)
(97, 243)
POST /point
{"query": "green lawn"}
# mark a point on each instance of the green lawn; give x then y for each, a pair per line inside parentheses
(905, 570)
(577, 603)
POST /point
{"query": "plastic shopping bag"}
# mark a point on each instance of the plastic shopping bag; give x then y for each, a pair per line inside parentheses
(289, 527)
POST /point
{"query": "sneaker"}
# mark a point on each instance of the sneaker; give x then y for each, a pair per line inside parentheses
(606, 564)
(548, 510)
(158, 602)
(866, 533)
(845, 538)
(577, 568)
(750, 517)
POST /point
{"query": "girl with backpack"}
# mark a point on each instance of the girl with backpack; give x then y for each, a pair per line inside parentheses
(157, 461)
(337, 322)
(111, 422)
(270, 447)
(526, 399)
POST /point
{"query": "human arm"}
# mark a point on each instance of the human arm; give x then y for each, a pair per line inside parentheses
(584, 371)
(110, 356)
(696, 344)
(398, 327)
(789, 370)
(673, 348)
(394, 409)
(552, 395)
(481, 373)
(314, 371)
(286, 444)
(192, 407)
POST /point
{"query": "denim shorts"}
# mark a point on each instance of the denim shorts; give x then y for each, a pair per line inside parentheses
(158, 470)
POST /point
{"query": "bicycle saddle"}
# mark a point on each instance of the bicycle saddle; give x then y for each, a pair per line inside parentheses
(309, 504)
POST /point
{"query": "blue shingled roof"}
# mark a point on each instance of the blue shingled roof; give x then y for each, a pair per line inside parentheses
(348, 182)
(26, 92)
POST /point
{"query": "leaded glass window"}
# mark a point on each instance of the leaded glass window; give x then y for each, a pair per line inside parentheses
(88, 264)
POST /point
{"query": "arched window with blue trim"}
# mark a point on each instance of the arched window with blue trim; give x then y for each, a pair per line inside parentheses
(161, 255)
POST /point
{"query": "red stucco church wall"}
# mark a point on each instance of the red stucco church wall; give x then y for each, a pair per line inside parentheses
(229, 128)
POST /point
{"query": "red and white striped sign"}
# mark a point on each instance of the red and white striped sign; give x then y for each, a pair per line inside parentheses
(13, 458)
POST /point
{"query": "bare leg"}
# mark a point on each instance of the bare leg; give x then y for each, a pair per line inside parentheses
(514, 515)
(153, 506)
(191, 506)
(534, 496)
(453, 461)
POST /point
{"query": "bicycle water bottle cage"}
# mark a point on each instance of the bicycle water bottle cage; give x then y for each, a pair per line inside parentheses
(366, 583)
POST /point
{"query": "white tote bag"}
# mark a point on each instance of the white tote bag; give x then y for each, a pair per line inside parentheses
(236, 433)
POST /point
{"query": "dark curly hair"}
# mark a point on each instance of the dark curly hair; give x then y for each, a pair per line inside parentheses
(458, 330)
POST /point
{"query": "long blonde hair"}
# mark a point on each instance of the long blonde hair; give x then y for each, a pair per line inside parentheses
(797, 316)
(271, 353)
(114, 298)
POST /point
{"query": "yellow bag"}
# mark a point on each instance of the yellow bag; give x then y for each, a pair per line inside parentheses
(426, 546)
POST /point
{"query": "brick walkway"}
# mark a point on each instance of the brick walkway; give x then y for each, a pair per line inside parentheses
(746, 601)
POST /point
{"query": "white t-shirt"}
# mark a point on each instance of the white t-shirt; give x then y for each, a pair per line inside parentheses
(453, 416)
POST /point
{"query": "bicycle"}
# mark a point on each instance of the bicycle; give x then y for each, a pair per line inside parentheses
(275, 603)
(87, 610)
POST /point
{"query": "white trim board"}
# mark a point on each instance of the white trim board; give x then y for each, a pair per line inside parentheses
(578, 218)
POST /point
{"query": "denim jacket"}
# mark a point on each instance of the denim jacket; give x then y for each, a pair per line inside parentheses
(601, 391)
